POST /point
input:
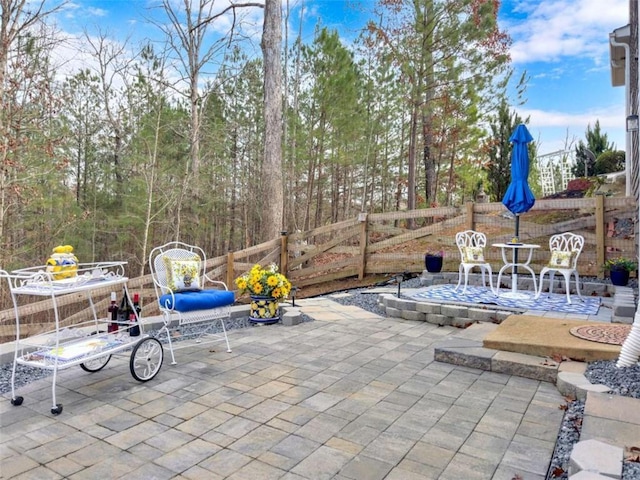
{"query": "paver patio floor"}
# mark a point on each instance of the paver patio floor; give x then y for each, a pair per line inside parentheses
(350, 395)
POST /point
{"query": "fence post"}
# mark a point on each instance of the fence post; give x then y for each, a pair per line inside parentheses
(284, 252)
(470, 223)
(600, 235)
(230, 271)
(362, 218)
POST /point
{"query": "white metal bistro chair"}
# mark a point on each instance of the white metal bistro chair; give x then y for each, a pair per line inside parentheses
(471, 246)
(191, 313)
(565, 249)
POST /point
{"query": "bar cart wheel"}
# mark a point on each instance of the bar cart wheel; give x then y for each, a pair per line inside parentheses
(146, 359)
(95, 364)
(17, 401)
(57, 409)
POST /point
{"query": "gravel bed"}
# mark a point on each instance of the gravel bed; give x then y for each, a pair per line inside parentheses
(625, 382)
(26, 375)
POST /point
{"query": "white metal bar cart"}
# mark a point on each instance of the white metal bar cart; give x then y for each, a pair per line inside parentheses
(87, 343)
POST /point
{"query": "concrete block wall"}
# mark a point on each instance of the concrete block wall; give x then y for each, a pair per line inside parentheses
(625, 299)
(440, 314)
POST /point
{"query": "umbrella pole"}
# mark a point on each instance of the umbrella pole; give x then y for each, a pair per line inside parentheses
(514, 280)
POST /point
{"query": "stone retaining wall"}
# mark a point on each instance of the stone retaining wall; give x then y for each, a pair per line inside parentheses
(624, 302)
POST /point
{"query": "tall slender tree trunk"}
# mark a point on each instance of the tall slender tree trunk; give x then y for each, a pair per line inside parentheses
(234, 195)
(151, 174)
(311, 175)
(16, 18)
(272, 165)
(427, 108)
(293, 144)
(411, 161)
(194, 148)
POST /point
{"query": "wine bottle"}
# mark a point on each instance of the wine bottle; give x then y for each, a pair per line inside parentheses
(134, 315)
(136, 304)
(123, 312)
(113, 310)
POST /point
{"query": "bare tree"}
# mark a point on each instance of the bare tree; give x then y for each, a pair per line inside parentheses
(113, 65)
(272, 220)
(25, 95)
(187, 43)
(186, 37)
(14, 22)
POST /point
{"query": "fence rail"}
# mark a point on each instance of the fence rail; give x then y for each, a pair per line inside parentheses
(386, 243)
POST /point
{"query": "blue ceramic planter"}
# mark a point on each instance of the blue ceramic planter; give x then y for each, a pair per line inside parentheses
(433, 263)
(619, 278)
(264, 310)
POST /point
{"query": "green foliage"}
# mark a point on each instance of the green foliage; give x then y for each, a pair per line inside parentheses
(610, 161)
(332, 115)
(597, 141)
(586, 154)
(104, 159)
(452, 58)
(498, 151)
(620, 263)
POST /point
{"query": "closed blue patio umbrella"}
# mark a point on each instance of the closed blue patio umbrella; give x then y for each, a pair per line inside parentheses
(519, 198)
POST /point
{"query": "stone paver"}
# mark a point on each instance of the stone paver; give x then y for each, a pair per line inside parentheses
(595, 456)
(348, 396)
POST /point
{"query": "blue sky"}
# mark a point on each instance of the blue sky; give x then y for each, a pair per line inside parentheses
(563, 45)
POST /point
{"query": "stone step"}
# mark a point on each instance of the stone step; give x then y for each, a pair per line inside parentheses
(596, 457)
(471, 353)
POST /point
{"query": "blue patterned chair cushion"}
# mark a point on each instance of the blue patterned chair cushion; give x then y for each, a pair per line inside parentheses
(191, 301)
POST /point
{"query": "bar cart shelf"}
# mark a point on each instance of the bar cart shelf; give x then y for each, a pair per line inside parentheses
(88, 343)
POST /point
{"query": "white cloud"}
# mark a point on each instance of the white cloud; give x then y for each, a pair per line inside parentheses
(97, 12)
(608, 117)
(552, 30)
(551, 73)
(555, 39)
(74, 10)
(556, 130)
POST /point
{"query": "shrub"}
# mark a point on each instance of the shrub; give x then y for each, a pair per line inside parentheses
(620, 263)
(609, 162)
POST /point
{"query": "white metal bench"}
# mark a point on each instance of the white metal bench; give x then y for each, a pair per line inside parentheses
(192, 314)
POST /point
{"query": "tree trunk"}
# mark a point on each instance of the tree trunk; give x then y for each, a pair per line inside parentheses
(427, 109)
(411, 162)
(272, 165)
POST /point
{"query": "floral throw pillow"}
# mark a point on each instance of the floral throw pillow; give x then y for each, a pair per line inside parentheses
(473, 255)
(182, 274)
(561, 259)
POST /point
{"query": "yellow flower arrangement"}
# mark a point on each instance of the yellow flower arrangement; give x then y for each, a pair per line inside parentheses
(264, 281)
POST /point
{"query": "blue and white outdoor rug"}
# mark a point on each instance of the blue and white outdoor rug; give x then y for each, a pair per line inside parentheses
(483, 296)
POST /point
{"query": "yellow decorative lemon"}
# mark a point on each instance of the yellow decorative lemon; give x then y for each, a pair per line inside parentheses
(62, 263)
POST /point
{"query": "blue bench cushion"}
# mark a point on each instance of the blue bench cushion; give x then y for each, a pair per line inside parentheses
(191, 301)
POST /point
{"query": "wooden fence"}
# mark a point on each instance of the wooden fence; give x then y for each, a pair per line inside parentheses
(386, 243)
(382, 243)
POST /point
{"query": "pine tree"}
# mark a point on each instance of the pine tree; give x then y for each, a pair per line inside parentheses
(434, 44)
(498, 151)
(586, 155)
